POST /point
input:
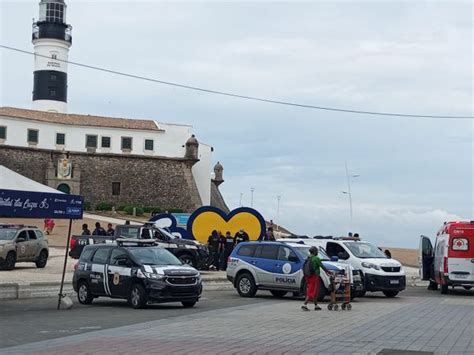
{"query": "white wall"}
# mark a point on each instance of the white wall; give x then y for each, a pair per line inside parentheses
(202, 173)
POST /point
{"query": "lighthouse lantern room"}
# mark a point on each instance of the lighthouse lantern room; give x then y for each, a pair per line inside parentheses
(51, 39)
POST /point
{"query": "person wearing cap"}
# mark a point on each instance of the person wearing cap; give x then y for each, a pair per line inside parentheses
(313, 280)
(241, 236)
(213, 242)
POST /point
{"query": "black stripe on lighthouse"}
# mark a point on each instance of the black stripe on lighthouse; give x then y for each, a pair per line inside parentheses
(50, 85)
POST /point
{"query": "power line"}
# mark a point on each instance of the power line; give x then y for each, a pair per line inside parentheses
(246, 97)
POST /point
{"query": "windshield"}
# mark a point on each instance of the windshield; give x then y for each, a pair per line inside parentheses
(365, 250)
(154, 256)
(304, 252)
(7, 234)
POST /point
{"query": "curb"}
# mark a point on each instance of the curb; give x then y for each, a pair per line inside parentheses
(26, 290)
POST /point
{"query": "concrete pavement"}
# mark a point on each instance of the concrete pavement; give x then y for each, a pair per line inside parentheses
(416, 323)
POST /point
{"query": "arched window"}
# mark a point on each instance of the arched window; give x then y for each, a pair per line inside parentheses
(64, 188)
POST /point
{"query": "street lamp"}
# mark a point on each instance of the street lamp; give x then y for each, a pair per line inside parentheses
(349, 192)
(241, 195)
(252, 189)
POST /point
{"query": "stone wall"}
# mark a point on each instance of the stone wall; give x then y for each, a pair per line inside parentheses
(146, 181)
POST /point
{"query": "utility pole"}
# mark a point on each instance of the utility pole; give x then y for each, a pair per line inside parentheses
(349, 190)
(241, 195)
(252, 189)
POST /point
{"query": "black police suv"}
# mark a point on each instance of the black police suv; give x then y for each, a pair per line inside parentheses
(136, 270)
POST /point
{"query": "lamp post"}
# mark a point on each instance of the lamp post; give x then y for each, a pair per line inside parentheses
(349, 192)
(278, 212)
(252, 189)
(241, 195)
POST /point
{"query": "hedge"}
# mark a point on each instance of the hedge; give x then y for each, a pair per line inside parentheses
(103, 206)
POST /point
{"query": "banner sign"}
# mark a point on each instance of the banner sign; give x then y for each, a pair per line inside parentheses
(26, 204)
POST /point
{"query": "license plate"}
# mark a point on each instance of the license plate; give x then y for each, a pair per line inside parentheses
(394, 282)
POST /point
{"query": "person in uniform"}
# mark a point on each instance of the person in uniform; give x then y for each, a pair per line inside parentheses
(228, 246)
(213, 244)
(85, 229)
(99, 230)
(110, 229)
(241, 236)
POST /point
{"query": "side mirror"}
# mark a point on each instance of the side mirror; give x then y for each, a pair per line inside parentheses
(334, 258)
(293, 259)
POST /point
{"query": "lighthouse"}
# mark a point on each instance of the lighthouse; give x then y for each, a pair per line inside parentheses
(51, 39)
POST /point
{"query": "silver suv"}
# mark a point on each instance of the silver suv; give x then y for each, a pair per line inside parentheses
(20, 243)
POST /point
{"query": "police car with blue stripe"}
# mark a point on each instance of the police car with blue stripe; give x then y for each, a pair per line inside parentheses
(277, 267)
(136, 270)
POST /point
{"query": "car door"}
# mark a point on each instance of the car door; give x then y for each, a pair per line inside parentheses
(119, 272)
(425, 258)
(98, 274)
(286, 268)
(266, 255)
(22, 246)
(33, 245)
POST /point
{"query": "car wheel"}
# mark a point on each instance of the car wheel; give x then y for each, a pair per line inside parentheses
(444, 289)
(246, 285)
(42, 259)
(84, 295)
(188, 304)
(390, 293)
(187, 260)
(10, 261)
(467, 287)
(279, 294)
(137, 297)
(433, 286)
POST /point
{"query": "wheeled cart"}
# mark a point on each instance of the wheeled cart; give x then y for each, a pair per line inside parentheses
(340, 291)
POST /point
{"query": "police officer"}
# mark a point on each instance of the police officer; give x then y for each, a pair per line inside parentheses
(241, 236)
(227, 243)
(213, 244)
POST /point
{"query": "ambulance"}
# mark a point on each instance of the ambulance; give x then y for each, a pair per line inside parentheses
(451, 261)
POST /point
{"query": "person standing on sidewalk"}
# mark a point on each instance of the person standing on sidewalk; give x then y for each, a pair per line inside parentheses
(228, 243)
(311, 270)
(213, 244)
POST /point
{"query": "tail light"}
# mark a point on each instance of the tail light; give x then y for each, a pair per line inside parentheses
(72, 244)
(445, 266)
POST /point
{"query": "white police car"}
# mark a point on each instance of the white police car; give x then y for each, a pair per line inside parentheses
(277, 267)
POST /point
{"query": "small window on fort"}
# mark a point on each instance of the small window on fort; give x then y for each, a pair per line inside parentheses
(3, 132)
(126, 143)
(149, 144)
(52, 93)
(54, 77)
(115, 188)
(60, 138)
(91, 141)
(105, 142)
(33, 136)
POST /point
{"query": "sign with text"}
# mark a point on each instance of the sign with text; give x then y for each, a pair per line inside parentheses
(28, 204)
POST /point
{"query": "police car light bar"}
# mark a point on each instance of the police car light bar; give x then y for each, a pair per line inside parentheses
(135, 242)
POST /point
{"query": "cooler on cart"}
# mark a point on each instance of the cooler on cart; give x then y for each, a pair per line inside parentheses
(340, 290)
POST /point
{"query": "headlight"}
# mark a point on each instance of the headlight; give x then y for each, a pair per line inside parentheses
(149, 275)
(370, 266)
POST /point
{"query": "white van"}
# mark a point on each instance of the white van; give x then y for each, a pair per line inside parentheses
(379, 272)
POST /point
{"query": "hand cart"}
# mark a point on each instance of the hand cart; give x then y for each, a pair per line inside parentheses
(340, 290)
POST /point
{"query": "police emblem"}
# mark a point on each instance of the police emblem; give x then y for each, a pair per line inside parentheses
(286, 268)
(116, 280)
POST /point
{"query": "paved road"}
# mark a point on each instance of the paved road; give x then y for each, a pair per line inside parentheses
(225, 323)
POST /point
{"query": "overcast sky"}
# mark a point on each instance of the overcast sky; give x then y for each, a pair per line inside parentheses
(408, 56)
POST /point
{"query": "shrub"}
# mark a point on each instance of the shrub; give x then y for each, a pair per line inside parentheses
(121, 207)
(150, 209)
(87, 206)
(175, 210)
(103, 206)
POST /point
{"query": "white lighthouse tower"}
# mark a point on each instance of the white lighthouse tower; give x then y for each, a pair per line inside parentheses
(52, 39)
